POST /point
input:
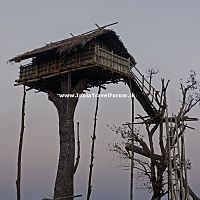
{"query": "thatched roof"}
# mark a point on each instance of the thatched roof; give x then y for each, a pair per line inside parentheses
(107, 36)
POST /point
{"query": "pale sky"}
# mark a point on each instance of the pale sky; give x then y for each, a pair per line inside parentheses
(160, 34)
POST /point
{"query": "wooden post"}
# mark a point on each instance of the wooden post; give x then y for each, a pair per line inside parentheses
(183, 164)
(169, 158)
(78, 149)
(36, 71)
(143, 82)
(182, 192)
(98, 54)
(92, 148)
(132, 143)
(112, 64)
(153, 93)
(19, 160)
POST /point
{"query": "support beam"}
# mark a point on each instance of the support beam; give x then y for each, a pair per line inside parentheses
(132, 144)
(19, 159)
(92, 148)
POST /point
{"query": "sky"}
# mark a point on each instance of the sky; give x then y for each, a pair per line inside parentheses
(160, 34)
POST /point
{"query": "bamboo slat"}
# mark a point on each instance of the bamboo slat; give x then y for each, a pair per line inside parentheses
(94, 55)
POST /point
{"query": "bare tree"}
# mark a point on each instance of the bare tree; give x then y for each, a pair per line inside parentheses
(152, 145)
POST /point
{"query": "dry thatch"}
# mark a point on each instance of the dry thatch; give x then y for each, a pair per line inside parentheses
(65, 46)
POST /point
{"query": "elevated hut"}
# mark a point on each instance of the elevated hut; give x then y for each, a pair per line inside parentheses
(98, 55)
(71, 66)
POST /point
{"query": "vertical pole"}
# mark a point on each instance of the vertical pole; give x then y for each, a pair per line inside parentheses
(183, 163)
(153, 93)
(170, 195)
(98, 55)
(181, 185)
(112, 61)
(19, 160)
(78, 149)
(150, 80)
(174, 181)
(69, 82)
(92, 148)
(132, 142)
(129, 64)
(143, 82)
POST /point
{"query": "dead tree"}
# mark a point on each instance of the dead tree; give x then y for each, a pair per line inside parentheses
(155, 165)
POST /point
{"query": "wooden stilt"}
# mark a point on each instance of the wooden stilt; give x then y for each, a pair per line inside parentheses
(132, 143)
(78, 149)
(19, 160)
(92, 148)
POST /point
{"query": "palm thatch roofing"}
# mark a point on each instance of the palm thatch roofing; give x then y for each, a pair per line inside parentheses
(107, 36)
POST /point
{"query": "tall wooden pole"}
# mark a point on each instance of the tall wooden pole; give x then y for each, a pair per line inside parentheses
(78, 149)
(92, 148)
(132, 143)
(19, 160)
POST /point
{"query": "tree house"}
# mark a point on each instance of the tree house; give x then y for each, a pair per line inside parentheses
(71, 66)
(99, 56)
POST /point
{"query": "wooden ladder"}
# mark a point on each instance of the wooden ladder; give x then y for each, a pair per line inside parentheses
(145, 93)
(177, 174)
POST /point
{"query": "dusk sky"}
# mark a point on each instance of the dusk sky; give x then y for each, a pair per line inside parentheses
(161, 34)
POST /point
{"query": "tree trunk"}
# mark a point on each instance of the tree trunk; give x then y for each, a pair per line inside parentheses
(64, 180)
(157, 193)
(156, 197)
(157, 186)
(64, 184)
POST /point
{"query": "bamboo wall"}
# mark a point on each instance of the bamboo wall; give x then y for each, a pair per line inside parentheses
(88, 57)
